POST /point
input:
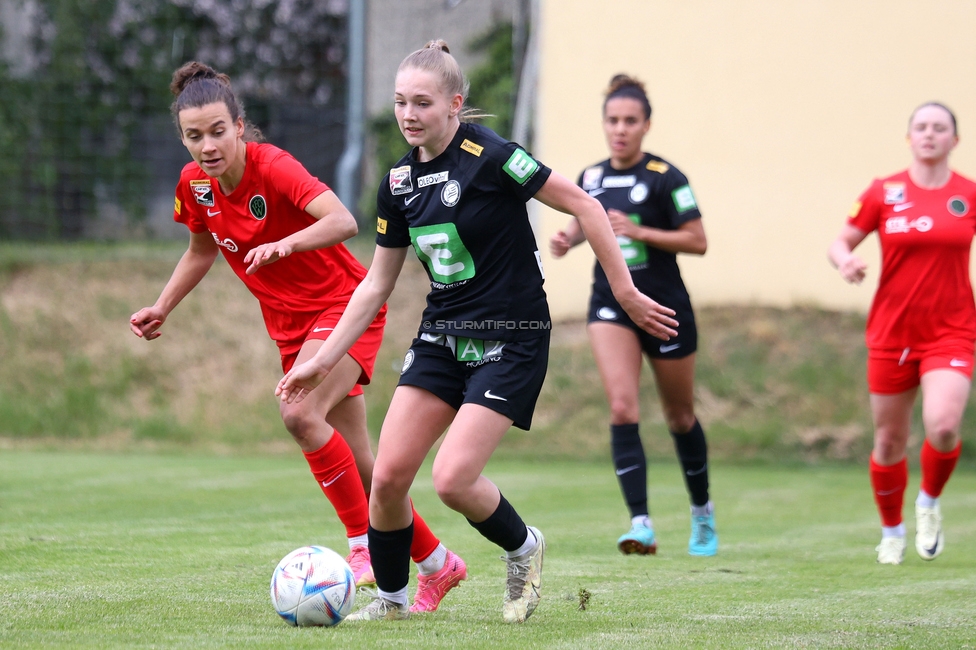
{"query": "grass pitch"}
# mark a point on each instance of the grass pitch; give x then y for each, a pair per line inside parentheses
(138, 551)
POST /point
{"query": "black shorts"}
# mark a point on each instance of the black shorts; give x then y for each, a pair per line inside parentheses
(504, 376)
(605, 309)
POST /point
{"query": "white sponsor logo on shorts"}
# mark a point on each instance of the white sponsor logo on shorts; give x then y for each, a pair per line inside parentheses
(958, 363)
(490, 396)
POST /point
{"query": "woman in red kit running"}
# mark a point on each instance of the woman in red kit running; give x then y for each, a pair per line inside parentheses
(280, 229)
(922, 324)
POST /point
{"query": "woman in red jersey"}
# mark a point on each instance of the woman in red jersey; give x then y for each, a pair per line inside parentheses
(922, 324)
(280, 229)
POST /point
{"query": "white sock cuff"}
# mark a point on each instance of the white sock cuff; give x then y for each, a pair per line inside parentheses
(926, 500)
(358, 540)
(398, 597)
(433, 562)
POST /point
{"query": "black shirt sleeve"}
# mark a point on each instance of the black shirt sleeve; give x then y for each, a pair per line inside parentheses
(391, 225)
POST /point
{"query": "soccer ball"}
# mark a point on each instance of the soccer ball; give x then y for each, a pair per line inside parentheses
(313, 585)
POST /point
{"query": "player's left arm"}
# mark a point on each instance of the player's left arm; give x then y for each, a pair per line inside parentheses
(333, 224)
(689, 237)
(559, 193)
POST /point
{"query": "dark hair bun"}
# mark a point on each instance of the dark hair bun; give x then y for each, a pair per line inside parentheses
(192, 71)
(620, 81)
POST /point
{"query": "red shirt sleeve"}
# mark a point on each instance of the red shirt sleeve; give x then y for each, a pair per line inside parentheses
(185, 209)
(865, 214)
(293, 181)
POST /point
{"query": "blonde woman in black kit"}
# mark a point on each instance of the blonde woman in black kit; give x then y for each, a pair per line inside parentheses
(458, 197)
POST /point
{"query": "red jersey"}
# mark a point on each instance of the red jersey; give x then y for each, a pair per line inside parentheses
(924, 293)
(269, 205)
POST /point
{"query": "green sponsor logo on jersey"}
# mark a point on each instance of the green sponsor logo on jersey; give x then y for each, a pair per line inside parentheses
(521, 166)
(683, 199)
(634, 252)
(440, 248)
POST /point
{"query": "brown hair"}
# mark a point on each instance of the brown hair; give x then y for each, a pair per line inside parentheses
(952, 116)
(196, 84)
(626, 86)
(435, 57)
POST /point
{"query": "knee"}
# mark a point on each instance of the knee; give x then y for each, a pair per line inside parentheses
(451, 488)
(388, 485)
(679, 420)
(624, 410)
(888, 448)
(943, 433)
(300, 422)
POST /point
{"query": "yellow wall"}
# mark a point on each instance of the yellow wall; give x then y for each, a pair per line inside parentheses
(779, 112)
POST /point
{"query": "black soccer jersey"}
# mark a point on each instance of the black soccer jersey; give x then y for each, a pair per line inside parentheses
(464, 214)
(652, 193)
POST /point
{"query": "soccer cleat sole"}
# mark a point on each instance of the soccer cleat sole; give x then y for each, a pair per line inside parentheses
(634, 547)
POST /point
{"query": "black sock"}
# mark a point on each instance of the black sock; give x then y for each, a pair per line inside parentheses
(389, 553)
(630, 465)
(503, 527)
(693, 454)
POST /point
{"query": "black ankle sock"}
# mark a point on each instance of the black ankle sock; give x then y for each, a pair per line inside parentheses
(389, 553)
(503, 527)
(630, 465)
(693, 454)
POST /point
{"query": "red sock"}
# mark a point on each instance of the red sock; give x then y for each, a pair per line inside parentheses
(889, 483)
(424, 540)
(334, 468)
(937, 467)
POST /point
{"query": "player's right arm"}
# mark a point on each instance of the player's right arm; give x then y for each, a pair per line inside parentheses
(366, 302)
(194, 264)
(841, 254)
(562, 241)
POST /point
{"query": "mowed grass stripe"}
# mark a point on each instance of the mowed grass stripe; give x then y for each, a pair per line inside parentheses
(103, 550)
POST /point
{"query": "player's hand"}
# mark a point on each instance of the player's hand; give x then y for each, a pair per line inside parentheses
(266, 254)
(621, 224)
(853, 269)
(146, 322)
(653, 318)
(299, 381)
(559, 244)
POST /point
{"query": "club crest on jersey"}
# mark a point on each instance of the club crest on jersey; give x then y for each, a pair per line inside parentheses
(258, 207)
(400, 182)
(958, 206)
(203, 192)
(894, 193)
(451, 193)
(591, 178)
(638, 193)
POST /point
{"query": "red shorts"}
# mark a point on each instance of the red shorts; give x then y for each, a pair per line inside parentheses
(888, 375)
(363, 351)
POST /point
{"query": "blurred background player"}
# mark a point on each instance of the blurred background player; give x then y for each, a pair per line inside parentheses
(654, 216)
(459, 198)
(922, 323)
(280, 229)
